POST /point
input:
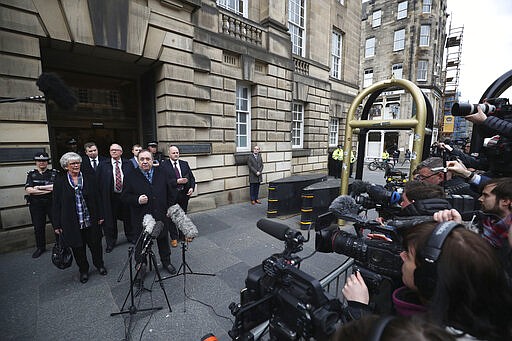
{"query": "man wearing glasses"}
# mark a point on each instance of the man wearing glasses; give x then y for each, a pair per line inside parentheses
(110, 175)
(432, 171)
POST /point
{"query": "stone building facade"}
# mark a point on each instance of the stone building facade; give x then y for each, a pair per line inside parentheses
(213, 77)
(404, 39)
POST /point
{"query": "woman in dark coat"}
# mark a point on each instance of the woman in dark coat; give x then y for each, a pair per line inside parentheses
(76, 214)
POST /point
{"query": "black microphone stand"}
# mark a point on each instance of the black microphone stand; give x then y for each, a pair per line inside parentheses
(182, 271)
(132, 309)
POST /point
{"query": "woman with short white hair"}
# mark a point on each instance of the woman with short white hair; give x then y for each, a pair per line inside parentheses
(77, 216)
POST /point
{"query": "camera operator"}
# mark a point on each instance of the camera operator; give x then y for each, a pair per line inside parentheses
(463, 288)
(422, 199)
(496, 218)
(432, 170)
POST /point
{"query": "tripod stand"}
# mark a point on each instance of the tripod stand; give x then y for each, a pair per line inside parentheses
(132, 310)
(182, 271)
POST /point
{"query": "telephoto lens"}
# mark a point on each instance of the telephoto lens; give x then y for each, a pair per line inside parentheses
(464, 109)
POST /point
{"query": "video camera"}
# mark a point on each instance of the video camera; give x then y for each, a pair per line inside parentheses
(292, 301)
(369, 196)
(374, 247)
(495, 106)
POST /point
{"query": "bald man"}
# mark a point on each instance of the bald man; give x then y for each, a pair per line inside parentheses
(110, 175)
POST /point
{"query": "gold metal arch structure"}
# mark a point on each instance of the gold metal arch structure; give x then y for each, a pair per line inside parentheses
(418, 123)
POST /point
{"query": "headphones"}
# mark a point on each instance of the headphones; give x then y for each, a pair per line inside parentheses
(425, 275)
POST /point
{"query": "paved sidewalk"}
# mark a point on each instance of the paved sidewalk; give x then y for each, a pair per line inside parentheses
(40, 302)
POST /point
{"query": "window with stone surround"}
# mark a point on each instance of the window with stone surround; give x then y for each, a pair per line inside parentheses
(236, 6)
(402, 10)
(427, 6)
(297, 25)
(336, 54)
(425, 35)
(368, 78)
(397, 70)
(376, 18)
(421, 75)
(399, 40)
(297, 125)
(333, 131)
(369, 47)
(243, 118)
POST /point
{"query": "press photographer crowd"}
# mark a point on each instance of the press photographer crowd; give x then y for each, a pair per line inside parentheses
(436, 264)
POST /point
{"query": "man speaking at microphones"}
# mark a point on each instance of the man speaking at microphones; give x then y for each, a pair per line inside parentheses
(146, 192)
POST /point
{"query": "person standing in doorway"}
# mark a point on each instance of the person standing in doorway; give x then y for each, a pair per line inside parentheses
(92, 160)
(255, 164)
(135, 151)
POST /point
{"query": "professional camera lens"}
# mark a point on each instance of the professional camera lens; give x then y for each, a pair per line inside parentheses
(464, 109)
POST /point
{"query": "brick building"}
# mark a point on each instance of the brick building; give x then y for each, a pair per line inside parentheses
(213, 77)
(404, 39)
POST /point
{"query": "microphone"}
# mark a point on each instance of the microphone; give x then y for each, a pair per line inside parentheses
(278, 230)
(345, 207)
(152, 230)
(148, 222)
(55, 89)
(359, 186)
(182, 222)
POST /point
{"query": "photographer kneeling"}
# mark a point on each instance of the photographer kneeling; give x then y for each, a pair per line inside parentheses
(455, 277)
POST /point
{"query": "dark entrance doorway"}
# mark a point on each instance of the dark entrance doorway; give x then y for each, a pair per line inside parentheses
(113, 90)
(107, 112)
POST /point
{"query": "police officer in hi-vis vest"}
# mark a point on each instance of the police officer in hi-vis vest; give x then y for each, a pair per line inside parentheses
(39, 187)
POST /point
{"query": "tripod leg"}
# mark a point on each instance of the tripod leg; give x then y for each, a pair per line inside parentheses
(153, 261)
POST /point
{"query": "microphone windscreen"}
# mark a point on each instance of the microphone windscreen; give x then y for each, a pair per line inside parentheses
(54, 88)
(358, 186)
(344, 205)
(182, 221)
(273, 228)
(159, 226)
(148, 222)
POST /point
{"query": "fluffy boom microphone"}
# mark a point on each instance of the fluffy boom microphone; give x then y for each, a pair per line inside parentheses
(344, 206)
(55, 89)
(182, 222)
(152, 230)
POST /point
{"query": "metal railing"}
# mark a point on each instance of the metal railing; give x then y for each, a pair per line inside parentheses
(334, 281)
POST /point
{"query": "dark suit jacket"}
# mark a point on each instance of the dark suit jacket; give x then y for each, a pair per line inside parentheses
(135, 185)
(86, 167)
(105, 178)
(186, 172)
(64, 208)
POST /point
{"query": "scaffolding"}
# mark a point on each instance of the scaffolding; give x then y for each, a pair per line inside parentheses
(453, 127)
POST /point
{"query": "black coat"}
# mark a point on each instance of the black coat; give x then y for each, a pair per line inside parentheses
(186, 172)
(86, 167)
(105, 178)
(135, 185)
(64, 208)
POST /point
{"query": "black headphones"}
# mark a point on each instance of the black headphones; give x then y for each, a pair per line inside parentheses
(379, 327)
(425, 275)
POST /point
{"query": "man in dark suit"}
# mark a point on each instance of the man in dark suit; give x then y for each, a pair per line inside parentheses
(110, 175)
(91, 160)
(135, 151)
(255, 165)
(146, 191)
(182, 182)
